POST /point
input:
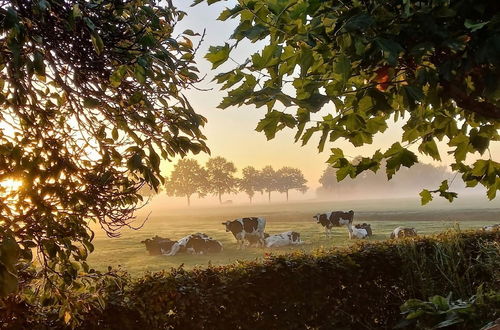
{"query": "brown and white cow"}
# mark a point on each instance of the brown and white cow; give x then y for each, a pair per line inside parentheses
(283, 239)
(244, 228)
(365, 226)
(334, 219)
(400, 232)
(156, 244)
(198, 243)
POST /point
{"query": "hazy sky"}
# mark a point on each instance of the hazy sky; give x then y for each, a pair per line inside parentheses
(231, 132)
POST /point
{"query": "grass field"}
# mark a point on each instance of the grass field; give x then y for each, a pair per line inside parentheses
(383, 215)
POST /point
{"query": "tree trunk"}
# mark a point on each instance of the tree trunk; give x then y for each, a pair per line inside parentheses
(269, 196)
(250, 199)
(189, 200)
(220, 198)
(287, 195)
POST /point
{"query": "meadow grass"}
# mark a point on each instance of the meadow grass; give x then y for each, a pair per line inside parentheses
(384, 215)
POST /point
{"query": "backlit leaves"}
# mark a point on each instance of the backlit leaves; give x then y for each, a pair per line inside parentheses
(431, 68)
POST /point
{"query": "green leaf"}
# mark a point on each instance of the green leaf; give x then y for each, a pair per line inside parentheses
(117, 76)
(474, 26)
(425, 196)
(90, 102)
(97, 42)
(217, 55)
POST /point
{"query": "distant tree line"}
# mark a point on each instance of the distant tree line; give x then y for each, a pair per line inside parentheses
(218, 177)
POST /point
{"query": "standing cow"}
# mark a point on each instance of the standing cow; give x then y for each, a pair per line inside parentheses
(243, 228)
(334, 219)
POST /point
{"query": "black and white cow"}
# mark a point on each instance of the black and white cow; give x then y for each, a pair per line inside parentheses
(400, 232)
(283, 239)
(245, 228)
(491, 227)
(156, 244)
(334, 219)
(198, 243)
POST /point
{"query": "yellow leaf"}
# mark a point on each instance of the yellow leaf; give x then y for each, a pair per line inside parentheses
(67, 317)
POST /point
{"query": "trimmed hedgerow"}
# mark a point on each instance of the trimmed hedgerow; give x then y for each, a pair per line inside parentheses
(360, 287)
(355, 288)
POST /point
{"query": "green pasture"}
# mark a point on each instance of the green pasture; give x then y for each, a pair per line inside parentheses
(127, 251)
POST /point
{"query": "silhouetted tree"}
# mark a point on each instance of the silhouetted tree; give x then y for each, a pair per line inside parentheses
(288, 178)
(187, 178)
(221, 178)
(250, 182)
(269, 182)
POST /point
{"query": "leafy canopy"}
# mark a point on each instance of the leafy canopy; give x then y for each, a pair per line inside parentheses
(432, 66)
(91, 100)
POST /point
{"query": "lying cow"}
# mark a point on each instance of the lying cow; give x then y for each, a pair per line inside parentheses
(366, 227)
(491, 227)
(356, 232)
(400, 232)
(198, 243)
(334, 219)
(244, 228)
(156, 244)
(283, 239)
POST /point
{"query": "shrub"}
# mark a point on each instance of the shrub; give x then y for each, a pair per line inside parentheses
(355, 288)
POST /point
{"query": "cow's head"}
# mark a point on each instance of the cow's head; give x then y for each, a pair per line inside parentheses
(227, 224)
(316, 217)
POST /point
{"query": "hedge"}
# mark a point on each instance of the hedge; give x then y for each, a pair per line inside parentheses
(357, 288)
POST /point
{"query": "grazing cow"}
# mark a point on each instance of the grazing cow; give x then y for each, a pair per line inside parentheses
(403, 232)
(356, 232)
(491, 227)
(283, 239)
(365, 226)
(243, 228)
(156, 244)
(334, 219)
(198, 243)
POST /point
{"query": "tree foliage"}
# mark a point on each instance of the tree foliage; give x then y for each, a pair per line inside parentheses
(289, 178)
(91, 99)
(187, 178)
(268, 180)
(250, 181)
(220, 177)
(431, 66)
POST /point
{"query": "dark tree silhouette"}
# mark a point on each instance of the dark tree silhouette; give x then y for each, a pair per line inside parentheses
(187, 178)
(288, 178)
(250, 182)
(221, 179)
(269, 182)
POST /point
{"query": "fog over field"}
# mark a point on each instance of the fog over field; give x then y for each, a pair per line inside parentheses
(174, 223)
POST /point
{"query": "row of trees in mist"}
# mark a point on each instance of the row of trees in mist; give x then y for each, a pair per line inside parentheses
(408, 181)
(218, 177)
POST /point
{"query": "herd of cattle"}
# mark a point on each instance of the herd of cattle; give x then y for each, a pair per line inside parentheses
(251, 231)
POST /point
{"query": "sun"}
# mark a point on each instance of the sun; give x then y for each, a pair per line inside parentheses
(11, 184)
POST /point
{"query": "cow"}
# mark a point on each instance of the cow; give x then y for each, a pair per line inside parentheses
(334, 219)
(198, 243)
(491, 227)
(365, 226)
(254, 240)
(243, 228)
(400, 232)
(283, 239)
(156, 244)
(355, 232)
